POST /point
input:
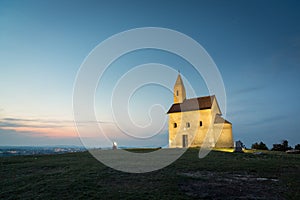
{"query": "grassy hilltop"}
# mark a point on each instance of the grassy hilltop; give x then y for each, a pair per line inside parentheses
(220, 175)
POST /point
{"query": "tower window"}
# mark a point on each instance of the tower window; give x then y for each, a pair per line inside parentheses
(175, 125)
(188, 125)
(176, 92)
(200, 123)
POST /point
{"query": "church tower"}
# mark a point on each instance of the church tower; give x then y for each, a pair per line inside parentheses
(179, 91)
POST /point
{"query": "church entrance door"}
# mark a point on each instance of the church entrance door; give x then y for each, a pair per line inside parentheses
(184, 141)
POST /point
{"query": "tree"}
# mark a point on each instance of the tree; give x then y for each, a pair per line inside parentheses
(254, 146)
(284, 146)
(297, 146)
(260, 146)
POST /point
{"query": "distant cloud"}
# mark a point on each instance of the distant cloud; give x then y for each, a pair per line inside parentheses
(264, 121)
(15, 119)
(41, 123)
(288, 56)
(248, 89)
(15, 130)
(34, 123)
(48, 128)
(36, 120)
(12, 137)
(4, 124)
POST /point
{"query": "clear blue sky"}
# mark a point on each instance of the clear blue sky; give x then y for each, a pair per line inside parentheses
(255, 44)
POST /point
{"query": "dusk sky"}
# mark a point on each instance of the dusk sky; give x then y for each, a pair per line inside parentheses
(255, 45)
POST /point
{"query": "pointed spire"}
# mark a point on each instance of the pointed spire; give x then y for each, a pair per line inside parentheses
(179, 90)
(179, 80)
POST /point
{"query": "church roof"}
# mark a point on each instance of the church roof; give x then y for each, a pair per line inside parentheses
(220, 120)
(199, 103)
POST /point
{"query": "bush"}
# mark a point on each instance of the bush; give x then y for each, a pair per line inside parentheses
(284, 146)
(260, 146)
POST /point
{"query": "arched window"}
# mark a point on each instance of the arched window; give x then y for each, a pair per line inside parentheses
(175, 125)
(188, 125)
(200, 123)
(176, 92)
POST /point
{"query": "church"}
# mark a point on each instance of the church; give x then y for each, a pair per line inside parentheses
(197, 122)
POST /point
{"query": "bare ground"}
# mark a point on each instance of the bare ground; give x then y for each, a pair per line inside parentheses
(224, 185)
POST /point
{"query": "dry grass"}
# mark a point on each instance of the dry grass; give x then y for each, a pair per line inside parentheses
(220, 175)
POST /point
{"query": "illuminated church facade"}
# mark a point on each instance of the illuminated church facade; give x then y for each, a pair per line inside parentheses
(197, 122)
